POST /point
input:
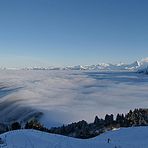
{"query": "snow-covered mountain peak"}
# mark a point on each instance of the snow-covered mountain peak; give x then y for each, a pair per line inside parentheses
(136, 63)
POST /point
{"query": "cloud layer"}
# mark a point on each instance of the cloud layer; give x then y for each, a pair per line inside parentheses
(68, 96)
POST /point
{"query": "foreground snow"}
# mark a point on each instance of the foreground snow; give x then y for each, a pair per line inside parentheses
(123, 138)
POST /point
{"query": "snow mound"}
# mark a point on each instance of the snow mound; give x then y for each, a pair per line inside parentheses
(123, 138)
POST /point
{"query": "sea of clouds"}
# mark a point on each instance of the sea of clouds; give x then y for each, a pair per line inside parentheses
(68, 96)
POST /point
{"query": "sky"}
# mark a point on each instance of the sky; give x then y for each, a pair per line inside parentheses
(72, 32)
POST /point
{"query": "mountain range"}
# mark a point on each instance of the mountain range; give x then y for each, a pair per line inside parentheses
(135, 66)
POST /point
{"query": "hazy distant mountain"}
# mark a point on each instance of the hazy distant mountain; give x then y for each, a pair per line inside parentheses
(139, 66)
(107, 66)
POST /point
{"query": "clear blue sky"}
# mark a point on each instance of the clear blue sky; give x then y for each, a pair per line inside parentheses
(71, 32)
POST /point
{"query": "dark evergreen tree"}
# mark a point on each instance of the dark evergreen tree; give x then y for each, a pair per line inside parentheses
(15, 126)
(120, 119)
(97, 121)
(109, 119)
(34, 124)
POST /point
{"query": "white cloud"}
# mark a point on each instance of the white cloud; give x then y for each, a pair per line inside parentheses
(68, 96)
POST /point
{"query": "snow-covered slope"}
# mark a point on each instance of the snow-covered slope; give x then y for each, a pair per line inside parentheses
(124, 138)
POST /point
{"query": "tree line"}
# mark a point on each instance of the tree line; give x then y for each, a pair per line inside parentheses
(82, 129)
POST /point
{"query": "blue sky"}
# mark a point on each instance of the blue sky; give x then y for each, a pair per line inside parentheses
(71, 32)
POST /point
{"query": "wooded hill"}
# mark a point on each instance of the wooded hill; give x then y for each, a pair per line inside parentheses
(82, 129)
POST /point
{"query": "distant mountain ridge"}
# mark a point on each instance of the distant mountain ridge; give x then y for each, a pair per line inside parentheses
(135, 66)
(104, 66)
